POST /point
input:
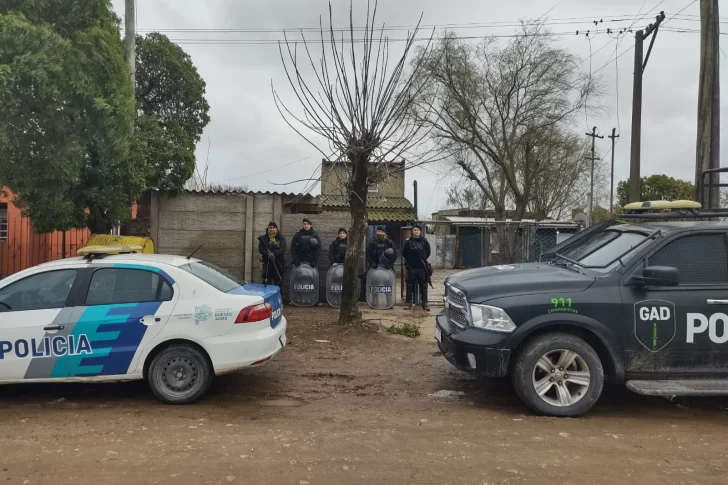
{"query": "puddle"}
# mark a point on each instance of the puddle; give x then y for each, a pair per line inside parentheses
(282, 403)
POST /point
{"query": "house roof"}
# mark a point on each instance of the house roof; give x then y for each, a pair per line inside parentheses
(390, 216)
(244, 192)
(373, 202)
(489, 220)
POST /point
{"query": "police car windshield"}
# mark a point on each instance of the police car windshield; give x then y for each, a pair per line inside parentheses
(601, 250)
(213, 276)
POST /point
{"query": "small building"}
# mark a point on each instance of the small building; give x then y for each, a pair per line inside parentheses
(475, 235)
(386, 204)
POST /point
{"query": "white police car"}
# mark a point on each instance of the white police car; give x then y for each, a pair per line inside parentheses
(114, 315)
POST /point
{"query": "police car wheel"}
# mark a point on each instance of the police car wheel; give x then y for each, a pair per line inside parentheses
(558, 374)
(180, 374)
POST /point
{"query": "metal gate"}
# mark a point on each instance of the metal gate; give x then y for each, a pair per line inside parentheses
(22, 248)
(471, 244)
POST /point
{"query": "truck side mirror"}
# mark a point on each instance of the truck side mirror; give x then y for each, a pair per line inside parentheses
(657, 276)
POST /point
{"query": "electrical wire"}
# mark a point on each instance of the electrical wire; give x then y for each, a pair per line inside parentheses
(471, 25)
(264, 171)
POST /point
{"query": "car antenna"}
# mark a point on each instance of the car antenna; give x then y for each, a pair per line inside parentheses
(193, 252)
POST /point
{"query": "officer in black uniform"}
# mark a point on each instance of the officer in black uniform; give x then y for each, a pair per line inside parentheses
(377, 246)
(415, 253)
(272, 249)
(337, 249)
(301, 247)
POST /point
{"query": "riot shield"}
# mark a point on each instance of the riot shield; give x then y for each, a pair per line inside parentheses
(334, 282)
(381, 288)
(304, 290)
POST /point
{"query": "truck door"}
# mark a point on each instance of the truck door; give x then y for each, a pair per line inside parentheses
(680, 329)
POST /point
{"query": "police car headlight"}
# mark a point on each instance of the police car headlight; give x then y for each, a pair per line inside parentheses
(491, 318)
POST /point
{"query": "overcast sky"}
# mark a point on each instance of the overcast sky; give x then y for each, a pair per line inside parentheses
(247, 134)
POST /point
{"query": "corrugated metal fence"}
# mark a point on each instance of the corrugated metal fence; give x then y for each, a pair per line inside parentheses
(21, 247)
(477, 244)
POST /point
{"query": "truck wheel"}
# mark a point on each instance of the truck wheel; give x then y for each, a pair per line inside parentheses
(558, 374)
(180, 374)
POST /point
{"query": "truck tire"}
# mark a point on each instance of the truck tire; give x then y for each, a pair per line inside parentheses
(180, 374)
(558, 374)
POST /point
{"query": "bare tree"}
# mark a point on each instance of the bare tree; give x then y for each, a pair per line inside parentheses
(502, 103)
(358, 102)
(198, 181)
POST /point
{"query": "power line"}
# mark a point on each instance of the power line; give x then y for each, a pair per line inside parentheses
(346, 41)
(264, 171)
(471, 25)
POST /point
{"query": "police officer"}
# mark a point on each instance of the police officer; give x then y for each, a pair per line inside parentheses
(301, 245)
(377, 246)
(415, 253)
(337, 249)
(272, 248)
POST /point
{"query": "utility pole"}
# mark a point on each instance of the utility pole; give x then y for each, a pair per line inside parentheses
(613, 137)
(590, 214)
(708, 142)
(639, 68)
(130, 43)
(417, 214)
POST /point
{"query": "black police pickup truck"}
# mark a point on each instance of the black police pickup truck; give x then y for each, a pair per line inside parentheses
(643, 303)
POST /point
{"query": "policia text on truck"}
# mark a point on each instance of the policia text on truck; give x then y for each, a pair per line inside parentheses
(642, 300)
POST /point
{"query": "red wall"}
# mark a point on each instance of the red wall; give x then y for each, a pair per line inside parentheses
(25, 248)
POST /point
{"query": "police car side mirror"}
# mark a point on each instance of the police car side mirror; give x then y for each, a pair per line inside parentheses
(657, 276)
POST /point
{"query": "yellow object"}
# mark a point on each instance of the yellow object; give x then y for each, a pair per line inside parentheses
(146, 243)
(663, 205)
(110, 249)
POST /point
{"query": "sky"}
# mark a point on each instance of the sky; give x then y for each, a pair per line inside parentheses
(248, 142)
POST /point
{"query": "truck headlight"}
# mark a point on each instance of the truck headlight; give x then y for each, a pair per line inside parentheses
(491, 318)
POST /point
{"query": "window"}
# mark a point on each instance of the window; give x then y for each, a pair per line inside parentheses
(213, 276)
(602, 250)
(116, 286)
(40, 291)
(701, 259)
(3, 221)
(372, 187)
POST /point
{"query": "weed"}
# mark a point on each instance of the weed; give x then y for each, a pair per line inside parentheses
(407, 329)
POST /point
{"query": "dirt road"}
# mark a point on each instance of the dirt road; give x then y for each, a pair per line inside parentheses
(352, 408)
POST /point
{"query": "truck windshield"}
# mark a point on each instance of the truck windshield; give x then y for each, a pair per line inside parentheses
(602, 249)
(213, 276)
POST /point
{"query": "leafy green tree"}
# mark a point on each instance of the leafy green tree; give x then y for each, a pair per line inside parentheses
(172, 112)
(657, 187)
(66, 102)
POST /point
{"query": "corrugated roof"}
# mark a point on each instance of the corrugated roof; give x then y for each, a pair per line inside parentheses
(490, 220)
(379, 215)
(390, 216)
(373, 202)
(244, 192)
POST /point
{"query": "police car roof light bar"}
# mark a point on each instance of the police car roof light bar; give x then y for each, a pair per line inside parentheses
(97, 252)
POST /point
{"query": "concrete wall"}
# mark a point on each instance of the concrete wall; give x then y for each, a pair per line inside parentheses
(226, 225)
(335, 177)
(442, 251)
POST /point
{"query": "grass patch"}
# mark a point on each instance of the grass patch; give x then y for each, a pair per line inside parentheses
(410, 330)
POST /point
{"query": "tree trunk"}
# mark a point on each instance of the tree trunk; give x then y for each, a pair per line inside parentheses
(349, 311)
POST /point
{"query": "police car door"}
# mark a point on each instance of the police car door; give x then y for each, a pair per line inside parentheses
(680, 329)
(34, 315)
(120, 309)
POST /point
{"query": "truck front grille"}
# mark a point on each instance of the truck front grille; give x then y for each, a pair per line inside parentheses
(457, 316)
(455, 296)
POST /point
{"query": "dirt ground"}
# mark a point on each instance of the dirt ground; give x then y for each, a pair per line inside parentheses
(352, 406)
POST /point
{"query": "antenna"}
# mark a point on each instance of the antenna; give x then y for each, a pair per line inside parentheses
(193, 252)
